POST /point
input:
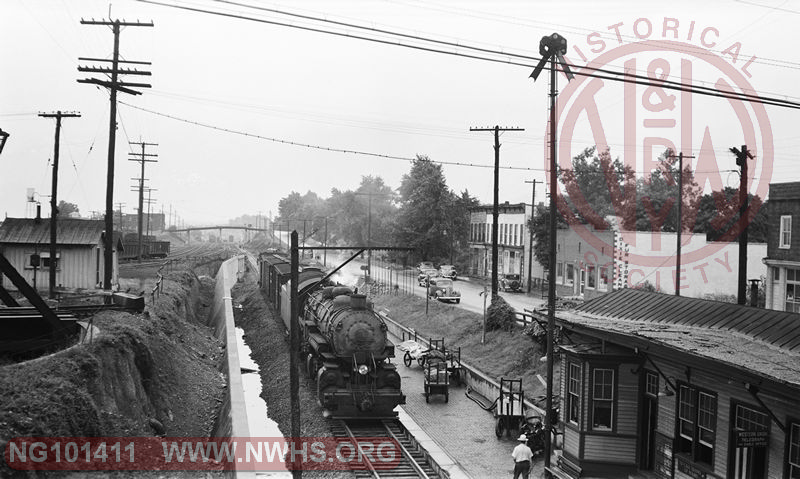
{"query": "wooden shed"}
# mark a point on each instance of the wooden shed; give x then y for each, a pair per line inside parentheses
(663, 386)
(79, 251)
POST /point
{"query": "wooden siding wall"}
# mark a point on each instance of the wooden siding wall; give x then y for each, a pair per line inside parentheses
(609, 448)
(77, 268)
(727, 390)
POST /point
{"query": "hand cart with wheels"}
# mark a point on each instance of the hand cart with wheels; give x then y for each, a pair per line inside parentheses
(452, 358)
(437, 380)
(509, 413)
(416, 351)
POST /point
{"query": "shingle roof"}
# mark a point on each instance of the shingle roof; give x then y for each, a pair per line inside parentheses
(762, 341)
(69, 231)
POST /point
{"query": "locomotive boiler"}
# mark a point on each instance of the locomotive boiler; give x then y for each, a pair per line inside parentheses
(345, 348)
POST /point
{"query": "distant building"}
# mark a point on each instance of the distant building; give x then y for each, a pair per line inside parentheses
(513, 240)
(663, 386)
(79, 252)
(783, 248)
(584, 268)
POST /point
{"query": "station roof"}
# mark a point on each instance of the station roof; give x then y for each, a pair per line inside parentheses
(70, 231)
(764, 342)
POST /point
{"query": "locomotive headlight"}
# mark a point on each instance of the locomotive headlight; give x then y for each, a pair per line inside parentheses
(363, 369)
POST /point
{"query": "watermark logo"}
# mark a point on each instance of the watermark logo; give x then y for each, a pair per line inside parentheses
(639, 119)
(201, 454)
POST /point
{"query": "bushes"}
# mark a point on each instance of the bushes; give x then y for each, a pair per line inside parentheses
(499, 315)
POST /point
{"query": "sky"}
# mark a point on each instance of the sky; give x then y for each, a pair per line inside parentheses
(256, 86)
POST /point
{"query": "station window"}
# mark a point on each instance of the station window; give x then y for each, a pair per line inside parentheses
(44, 260)
(792, 290)
(573, 392)
(602, 398)
(785, 237)
(793, 461)
(591, 278)
(697, 419)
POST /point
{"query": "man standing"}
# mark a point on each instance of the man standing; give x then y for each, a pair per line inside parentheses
(522, 455)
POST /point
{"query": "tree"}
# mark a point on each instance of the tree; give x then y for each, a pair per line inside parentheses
(539, 224)
(65, 210)
(598, 187)
(718, 212)
(424, 210)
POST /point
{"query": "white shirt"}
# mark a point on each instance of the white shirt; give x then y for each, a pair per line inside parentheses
(522, 453)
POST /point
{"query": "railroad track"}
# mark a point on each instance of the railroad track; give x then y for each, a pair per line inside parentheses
(413, 463)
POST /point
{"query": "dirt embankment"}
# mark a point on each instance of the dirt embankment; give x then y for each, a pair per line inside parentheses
(145, 374)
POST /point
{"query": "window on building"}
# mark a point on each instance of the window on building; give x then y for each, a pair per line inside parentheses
(591, 278)
(776, 274)
(559, 273)
(514, 236)
(603, 283)
(697, 419)
(785, 237)
(792, 290)
(44, 260)
(793, 460)
(570, 274)
(574, 393)
(602, 398)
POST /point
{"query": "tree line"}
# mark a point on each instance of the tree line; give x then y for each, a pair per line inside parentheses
(423, 213)
(600, 190)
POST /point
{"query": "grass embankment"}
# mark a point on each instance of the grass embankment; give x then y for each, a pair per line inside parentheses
(506, 354)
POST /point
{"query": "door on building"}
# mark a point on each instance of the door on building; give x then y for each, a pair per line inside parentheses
(649, 408)
(582, 285)
(749, 451)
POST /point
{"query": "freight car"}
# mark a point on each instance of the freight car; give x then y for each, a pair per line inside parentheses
(345, 348)
(150, 249)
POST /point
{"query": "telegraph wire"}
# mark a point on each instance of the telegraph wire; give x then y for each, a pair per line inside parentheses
(583, 71)
(317, 147)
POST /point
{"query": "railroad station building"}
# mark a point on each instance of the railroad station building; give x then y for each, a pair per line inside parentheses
(663, 386)
(513, 242)
(79, 252)
(782, 286)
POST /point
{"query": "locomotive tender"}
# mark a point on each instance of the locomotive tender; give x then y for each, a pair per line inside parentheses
(344, 346)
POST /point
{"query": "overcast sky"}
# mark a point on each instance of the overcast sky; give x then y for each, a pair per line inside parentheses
(336, 92)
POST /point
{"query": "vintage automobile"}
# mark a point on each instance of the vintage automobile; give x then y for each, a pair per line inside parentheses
(422, 279)
(425, 265)
(448, 271)
(511, 282)
(442, 289)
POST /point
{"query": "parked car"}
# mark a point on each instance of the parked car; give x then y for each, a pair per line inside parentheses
(448, 271)
(442, 289)
(511, 282)
(426, 274)
(425, 265)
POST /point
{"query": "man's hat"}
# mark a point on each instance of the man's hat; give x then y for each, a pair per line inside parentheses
(523, 438)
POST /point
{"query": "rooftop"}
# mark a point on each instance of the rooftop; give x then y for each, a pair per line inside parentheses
(69, 231)
(763, 342)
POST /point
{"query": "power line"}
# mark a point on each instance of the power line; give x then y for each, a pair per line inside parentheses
(623, 77)
(317, 147)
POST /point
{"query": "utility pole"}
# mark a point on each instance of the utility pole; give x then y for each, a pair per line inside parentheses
(114, 85)
(679, 223)
(741, 160)
(294, 348)
(53, 196)
(149, 202)
(530, 231)
(369, 226)
(552, 48)
(143, 158)
(119, 214)
(495, 211)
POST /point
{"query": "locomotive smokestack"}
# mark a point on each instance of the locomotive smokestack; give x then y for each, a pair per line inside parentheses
(358, 301)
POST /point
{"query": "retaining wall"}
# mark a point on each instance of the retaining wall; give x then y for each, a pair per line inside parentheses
(232, 418)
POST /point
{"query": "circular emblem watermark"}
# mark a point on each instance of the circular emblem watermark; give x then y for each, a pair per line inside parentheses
(654, 117)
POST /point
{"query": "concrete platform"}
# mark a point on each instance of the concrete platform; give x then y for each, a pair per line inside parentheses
(459, 429)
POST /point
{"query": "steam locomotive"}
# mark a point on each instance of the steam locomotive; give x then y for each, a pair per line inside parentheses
(344, 346)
